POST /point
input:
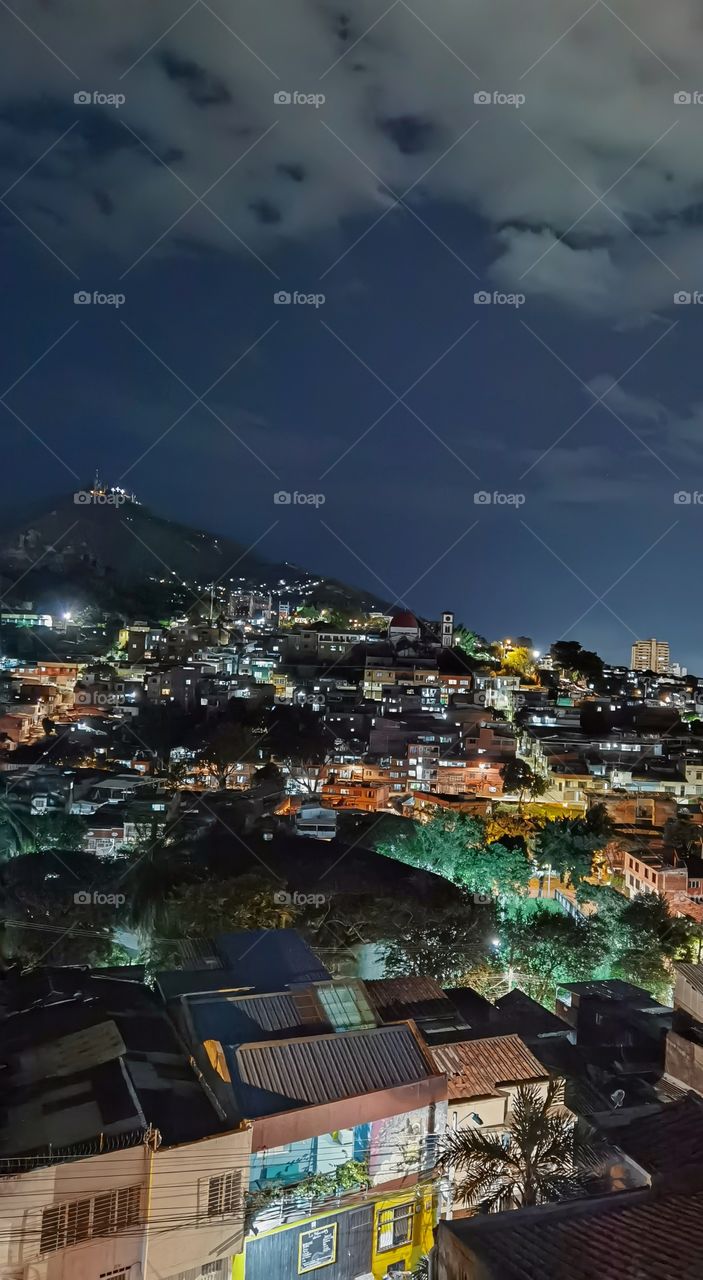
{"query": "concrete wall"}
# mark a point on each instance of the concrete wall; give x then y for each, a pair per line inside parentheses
(687, 998)
(451, 1261)
(173, 1202)
(182, 1234)
(684, 1061)
(494, 1112)
(25, 1197)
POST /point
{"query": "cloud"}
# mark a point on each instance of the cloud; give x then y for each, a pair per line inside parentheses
(599, 117)
(678, 432)
(583, 474)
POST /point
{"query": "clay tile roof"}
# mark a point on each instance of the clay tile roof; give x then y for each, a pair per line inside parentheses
(475, 1068)
(641, 1235)
(666, 1142)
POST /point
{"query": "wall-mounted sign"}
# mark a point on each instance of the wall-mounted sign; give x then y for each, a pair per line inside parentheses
(317, 1248)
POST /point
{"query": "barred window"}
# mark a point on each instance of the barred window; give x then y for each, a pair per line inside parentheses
(224, 1194)
(67, 1224)
(115, 1210)
(64, 1225)
(394, 1226)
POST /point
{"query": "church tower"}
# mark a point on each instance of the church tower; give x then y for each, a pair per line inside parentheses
(447, 630)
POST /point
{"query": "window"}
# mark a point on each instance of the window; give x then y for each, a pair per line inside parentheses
(115, 1210)
(224, 1194)
(67, 1224)
(394, 1226)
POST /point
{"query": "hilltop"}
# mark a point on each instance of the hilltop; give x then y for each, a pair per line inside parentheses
(115, 553)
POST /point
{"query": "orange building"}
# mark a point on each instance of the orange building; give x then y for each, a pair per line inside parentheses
(368, 797)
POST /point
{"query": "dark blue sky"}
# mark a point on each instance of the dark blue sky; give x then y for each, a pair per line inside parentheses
(598, 514)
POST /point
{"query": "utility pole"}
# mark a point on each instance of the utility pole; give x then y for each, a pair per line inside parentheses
(152, 1142)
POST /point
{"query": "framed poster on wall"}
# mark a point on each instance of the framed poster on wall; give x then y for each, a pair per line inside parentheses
(317, 1248)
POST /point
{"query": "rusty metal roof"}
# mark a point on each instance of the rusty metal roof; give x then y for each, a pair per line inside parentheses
(475, 1068)
(404, 997)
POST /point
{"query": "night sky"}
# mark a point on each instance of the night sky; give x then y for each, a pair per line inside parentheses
(586, 400)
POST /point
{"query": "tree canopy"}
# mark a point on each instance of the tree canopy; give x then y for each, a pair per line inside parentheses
(455, 846)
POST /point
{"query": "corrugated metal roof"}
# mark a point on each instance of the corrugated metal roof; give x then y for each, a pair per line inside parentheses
(238, 1020)
(198, 953)
(475, 1068)
(396, 997)
(273, 1077)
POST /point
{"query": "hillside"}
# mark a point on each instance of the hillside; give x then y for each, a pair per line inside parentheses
(109, 554)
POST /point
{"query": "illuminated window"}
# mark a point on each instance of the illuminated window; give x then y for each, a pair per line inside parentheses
(394, 1227)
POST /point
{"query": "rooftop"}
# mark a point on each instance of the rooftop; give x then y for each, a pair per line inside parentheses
(476, 1068)
(639, 1235)
(85, 1055)
(258, 960)
(398, 998)
(666, 1142)
(614, 989)
(525, 1017)
(236, 1019)
(277, 1076)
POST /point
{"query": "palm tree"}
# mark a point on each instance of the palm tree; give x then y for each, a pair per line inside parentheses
(541, 1157)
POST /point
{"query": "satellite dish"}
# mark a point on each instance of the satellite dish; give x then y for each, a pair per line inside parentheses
(617, 1098)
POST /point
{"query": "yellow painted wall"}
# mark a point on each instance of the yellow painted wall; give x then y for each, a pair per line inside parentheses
(423, 1223)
